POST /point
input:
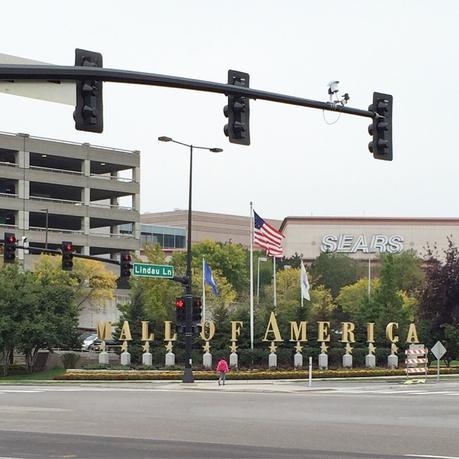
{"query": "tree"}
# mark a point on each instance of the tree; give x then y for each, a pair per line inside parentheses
(322, 304)
(438, 306)
(293, 262)
(408, 271)
(287, 290)
(34, 314)
(229, 260)
(352, 297)
(49, 320)
(13, 299)
(134, 312)
(335, 270)
(386, 304)
(90, 280)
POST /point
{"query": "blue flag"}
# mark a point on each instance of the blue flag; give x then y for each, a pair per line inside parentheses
(209, 279)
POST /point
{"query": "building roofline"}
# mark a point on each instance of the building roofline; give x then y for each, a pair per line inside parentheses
(370, 220)
(202, 212)
(69, 142)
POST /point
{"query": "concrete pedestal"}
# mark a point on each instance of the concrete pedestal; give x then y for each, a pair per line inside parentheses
(347, 361)
(147, 359)
(103, 358)
(272, 360)
(233, 360)
(207, 360)
(298, 360)
(170, 359)
(323, 361)
(392, 361)
(125, 358)
(370, 361)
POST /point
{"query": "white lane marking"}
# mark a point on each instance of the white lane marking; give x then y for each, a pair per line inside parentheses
(8, 391)
(4, 457)
(400, 391)
(433, 457)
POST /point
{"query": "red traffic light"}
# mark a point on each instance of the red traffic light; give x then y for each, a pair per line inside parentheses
(11, 239)
(68, 247)
(179, 303)
(126, 257)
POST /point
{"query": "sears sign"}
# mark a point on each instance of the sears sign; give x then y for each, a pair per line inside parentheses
(347, 243)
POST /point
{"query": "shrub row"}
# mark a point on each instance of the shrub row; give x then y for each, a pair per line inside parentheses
(140, 375)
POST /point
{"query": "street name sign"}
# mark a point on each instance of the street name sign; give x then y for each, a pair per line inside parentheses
(149, 270)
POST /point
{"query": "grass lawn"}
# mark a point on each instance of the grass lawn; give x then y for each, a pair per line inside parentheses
(454, 363)
(41, 376)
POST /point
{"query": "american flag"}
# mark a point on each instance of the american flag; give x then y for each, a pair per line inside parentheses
(267, 237)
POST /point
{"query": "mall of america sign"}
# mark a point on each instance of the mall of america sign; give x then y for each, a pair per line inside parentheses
(346, 243)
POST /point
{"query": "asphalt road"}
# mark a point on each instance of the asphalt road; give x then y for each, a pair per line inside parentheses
(284, 421)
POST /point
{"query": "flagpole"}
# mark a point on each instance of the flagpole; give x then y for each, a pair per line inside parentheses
(301, 285)
(203, 292)
(369, 275)
(274, 291)
(251, 275)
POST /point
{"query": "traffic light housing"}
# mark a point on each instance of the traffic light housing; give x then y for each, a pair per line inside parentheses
(9, 248)
(197, 310)
(67, 255)
(88, 112)
(238, 111)
(125, 265)
(381, 128)
(180, 313)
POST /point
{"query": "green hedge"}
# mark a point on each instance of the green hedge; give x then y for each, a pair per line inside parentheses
(139, 375)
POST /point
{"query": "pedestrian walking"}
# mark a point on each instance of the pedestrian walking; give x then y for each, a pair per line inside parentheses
(222, 369)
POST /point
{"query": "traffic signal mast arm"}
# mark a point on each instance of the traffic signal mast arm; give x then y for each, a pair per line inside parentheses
(38, 251)
(68, 73)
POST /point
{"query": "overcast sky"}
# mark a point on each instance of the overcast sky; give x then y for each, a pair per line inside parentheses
(297, 164)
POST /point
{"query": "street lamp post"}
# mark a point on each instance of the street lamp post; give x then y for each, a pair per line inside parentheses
(258, 278)
(188, 373)
(47, 226)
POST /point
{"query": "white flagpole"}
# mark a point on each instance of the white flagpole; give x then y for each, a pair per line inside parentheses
(203, 292)
(274, 291)
(369, 275)
(301, 286)
(251, 275)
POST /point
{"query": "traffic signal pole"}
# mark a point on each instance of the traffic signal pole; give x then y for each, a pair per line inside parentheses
(188, 373)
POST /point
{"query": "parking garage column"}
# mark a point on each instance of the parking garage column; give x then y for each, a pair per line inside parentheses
(114, 229)
(86, 167)
(23, 190)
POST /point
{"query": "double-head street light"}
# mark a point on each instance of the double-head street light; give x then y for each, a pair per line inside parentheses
(188, 373)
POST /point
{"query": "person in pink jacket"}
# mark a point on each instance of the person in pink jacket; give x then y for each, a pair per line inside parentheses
(222, 369)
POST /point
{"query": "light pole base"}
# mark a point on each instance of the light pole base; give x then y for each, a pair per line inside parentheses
(188, 376)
